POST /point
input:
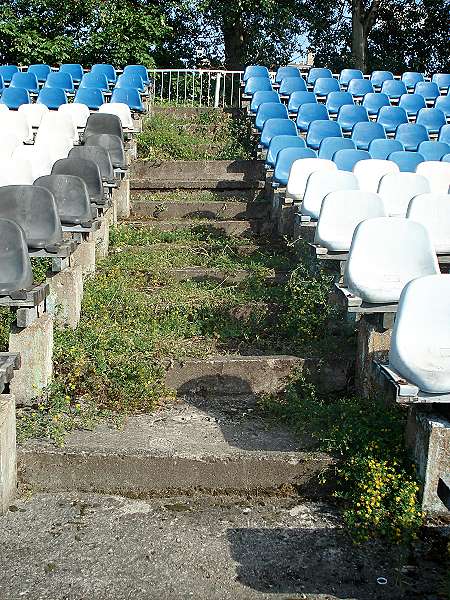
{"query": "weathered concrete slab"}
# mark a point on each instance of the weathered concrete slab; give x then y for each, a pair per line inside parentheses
(86, 546)
(8, 465)
(210, 274)
(223, 211)
(66, 294)
(121, 196)
(255, 374)
(231, 228)
(84, 256)
(199, 444)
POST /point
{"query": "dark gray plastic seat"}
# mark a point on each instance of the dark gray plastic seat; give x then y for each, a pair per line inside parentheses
(101, 158)
(15, 264)
(71, 197)
(103, 123)
(34, 209)
(113, 144)
(88, 171)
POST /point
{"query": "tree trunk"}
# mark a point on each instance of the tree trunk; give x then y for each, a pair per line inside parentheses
(359, 38)
(234, 42)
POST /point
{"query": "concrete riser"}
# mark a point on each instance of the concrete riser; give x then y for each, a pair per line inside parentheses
(231, 228)
(222, 211)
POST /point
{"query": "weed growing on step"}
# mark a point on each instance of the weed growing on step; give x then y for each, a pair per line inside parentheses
(375, 478)
(40, 266)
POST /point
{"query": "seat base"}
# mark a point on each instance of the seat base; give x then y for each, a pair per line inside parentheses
(405, 391)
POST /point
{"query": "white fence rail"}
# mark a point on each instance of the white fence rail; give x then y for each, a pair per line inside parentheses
(197, 87)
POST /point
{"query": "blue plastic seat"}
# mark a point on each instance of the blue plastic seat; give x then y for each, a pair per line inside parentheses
(287, 72)
(337, 99)
(364, 133)
(251, 71)
(107, 70)
(27, 81)
(310, 112)
(379, 77)
(257, 84)
(286, 158)
(444, 134)
(412, 103)
(443, 103)
(41, 71)
(381, 149)
(92, 97)
(446, 158)
(273, 127)
(442, 80)
(74, 70)
(406, 161)
(129, 96)
(289, 85)
(348, 116)
(411, 134)
(433, 150)
(279, 142)
(324, 85)
(316, 73)
(393, 88)
(96, 81)
(263, 97)
(60, 80)
(2, 85)
(360, 87)
(142, 71)
(346, 159)
(347, 75)
(330, 145)
(131, 80)
(52, 98)
(270, 110)
(391, 117)
(15, 97)
(431, 118)
(7, 72)
(297, 99)
(410, 78)
(319, 130)
(373, 102)
(428, 89)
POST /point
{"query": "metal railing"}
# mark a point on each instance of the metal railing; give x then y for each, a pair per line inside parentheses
(197, 87)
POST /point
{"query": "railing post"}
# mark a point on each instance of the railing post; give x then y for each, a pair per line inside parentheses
(217, 92)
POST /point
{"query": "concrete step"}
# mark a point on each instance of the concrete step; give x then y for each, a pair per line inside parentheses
(231, 228)
(211, 274)
(221, 444)
(223, 211)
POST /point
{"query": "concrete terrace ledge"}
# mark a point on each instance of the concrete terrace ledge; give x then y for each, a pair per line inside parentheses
(222, 211)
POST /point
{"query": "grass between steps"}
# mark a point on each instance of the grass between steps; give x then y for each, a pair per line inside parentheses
(134, 316)
(188, 196)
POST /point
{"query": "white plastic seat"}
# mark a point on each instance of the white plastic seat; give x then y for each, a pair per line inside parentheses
(57, 124)
(4, 108)
(77, 112)
(16, 123)
(122, 111)
(369, 172)
(33, 113)
(57, 146)
(420, 343)
(319, 186)
(397, 189)
(385, 254)
(433, 211)
(300, 171)
(8, 143)
(437, 173)
(38, 157)
(16, 171)
(341, 213)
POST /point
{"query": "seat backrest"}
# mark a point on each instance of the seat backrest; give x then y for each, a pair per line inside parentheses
(34, 209)
(103, 123)
(75, 71)
(379, 77)
(318, 186)
(27, 81)
(364, 133)
(98, 155)
(17, 122)
(443, 103)
(444, 134)
(374, 101)
(324, 85)
(442, 80)
(94, 80)
(9, 141)
(433, 150)
(87, 170)
(7, 72)
(431, 118)
(38, 157)
(273, 127)
(349, 115)
(433, 211)
(15, 97)
(61, 80)
(262, 97)
(337, 99)
(393, 88)
(369, 173)
(297, 99)
(57, 146)
(279, 142)
(360, 87)
(289, 85)
(412, 103)
(130, 97)
(250, 71)
(142, 71)
(130, 80)
(53, 98)
(285, 159)
(113, 145)
(381, 148)
(397, 189)
(310, 112)
(346, 159)
(428, 89)
(318, 72)
(385, 254)
(71, 196)
(105, 69)
(17, 171)
(411, 134)
(257, 84)
(58, 124)
(41, 71)
(121, 110)
(33, 113)
(93, 98)
(342, 211)
(347, 75)
(15, 264)
(391, 117)
(437, 173)
(330, 145)
(301, 170)
(319, 130)
(285, 72)
(77, 112)
(410, 78)
(270, 110)
(407, 161)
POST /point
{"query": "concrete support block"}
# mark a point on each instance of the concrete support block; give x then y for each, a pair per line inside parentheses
(35, 345)
(84, 257)
(428, 438)
(101, 236)
(122, 197)
(8, 462)
(112, 212)
(66, 294)
(286, 218)
(373, 343)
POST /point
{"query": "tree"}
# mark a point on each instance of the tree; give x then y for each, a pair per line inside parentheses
(364, 18)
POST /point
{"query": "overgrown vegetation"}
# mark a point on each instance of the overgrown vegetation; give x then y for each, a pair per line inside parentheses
(375, 477)
(207, 134)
